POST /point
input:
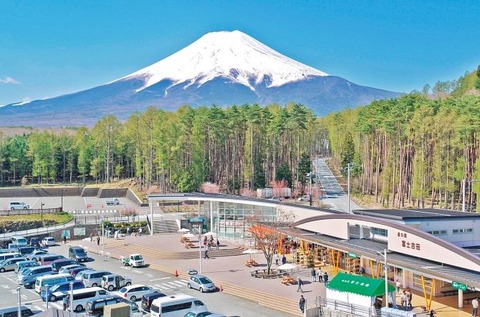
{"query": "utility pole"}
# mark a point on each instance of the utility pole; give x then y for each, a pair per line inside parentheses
(349, 165)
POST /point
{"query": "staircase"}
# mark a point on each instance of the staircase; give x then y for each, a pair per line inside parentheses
(164, 226)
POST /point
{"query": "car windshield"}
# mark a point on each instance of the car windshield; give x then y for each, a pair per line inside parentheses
(138, 257)
(123, 290)
(205, 280)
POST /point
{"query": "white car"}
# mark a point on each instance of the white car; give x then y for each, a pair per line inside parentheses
(18, 205)
(48, 241)
(135, 292)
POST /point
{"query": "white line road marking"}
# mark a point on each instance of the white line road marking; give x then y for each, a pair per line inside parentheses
(161, 278)
(138, 271)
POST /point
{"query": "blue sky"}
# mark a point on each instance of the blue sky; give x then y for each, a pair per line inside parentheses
(49, 48)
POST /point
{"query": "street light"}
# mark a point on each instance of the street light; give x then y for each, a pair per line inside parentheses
(385, 267)
(71, 296)
(310, 177)
(41, 211)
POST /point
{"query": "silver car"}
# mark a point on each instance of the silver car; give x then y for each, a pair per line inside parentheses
(10, 264)
(201, 283)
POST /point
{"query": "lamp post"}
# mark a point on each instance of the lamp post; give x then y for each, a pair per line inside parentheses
(46, 295)
(19, 302)
(310, 177)
(200, 243)
(385, 268)
(71, 296)
(61, 205)
(41, 212)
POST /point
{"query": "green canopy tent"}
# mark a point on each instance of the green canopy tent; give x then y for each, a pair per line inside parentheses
(355, 290)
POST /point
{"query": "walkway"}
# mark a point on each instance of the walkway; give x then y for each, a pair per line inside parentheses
(226, 268)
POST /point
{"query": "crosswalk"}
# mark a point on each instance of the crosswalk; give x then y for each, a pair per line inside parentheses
(94, 211)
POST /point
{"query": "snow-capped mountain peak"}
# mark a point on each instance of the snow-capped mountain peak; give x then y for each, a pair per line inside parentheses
(234, 55)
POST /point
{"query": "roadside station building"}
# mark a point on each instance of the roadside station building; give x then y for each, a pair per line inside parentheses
(432, 251)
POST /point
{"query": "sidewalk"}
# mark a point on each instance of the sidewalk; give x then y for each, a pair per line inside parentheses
(167, 253)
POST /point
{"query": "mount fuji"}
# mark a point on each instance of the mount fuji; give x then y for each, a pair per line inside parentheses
(222, 68)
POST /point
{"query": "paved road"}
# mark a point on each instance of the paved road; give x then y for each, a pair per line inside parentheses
(334, 197)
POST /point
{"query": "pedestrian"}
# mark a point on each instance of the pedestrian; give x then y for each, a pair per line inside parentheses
(301, 303)
(300, 283)
(206, 254)
(277, 258)
(325, 278)
(284, 259)
(320, 276)
(475, 306)
(64, 239)
(314, 275)
(409, 298)
(98, 240)
(64, 301)
(403, 299)
(432, 313)
(397, 285)
(218, 244)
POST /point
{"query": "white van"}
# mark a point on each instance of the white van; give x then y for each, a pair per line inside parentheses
(82, 296)
(19, 241)
(4, 256)
(51, 280)
(174, 306)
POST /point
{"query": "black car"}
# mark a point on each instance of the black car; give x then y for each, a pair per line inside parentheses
(35, 242)
(95, 306)
(148, 298)
(77, 253)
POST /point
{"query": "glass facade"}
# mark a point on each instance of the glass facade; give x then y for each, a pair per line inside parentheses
(232, 219)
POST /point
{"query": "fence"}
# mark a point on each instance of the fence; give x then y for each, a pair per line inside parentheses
(18, 212)
(335, 308)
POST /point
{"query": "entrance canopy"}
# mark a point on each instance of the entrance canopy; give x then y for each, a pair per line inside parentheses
(360, 285)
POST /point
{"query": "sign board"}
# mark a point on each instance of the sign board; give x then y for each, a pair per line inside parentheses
(66, 233)
(352, 255)
(78, 231)
(458, 285)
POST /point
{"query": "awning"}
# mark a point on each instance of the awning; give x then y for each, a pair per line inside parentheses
(359, 285)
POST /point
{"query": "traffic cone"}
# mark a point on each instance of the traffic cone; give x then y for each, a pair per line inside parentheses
(176, 273)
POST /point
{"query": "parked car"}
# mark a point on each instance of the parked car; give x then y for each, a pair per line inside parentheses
(113, 201)
(148, 298)
(115, 281)
(201, 312)
(95, 306)
(13, 311)
(67, 268)
(91, 278)
(58, 264)
(77, 253)
(36, 253)
(77, 270)
(49, 241)
(34, 242)
(201, 283)
(10, 264)
(59, 291)
(19, 266)
(135, 291)
(18, 205)
(24, 251)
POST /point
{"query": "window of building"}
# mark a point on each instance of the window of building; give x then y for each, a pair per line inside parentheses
(380, 232)
(463, 230)
(438, 232)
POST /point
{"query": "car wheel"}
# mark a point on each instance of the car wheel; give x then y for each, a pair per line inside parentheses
(128, 284)
(2, 270)
(79, 308)
(110, 288)
(12, 208)
(189, 286)
(133, 298)
(94, 285)
(201, 289)
(53, 298)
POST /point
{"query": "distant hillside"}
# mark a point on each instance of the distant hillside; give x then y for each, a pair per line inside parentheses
(468, 84)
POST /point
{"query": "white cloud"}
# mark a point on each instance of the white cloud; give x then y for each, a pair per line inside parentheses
(9, 80)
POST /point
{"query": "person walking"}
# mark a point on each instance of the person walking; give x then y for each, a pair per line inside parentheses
(64, 301)
(277, 258)
(98, 240)
(314, 275)
(397, 285)
(284, 259)
(64, 239)
(206, 254)
(325, 278)
(409, 298)
(432, 313)
(301, 304)
(475, 306)
(300, 283)
(320, 276)
(218, 244)
(403, 299)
